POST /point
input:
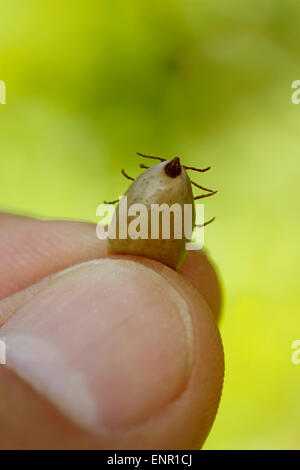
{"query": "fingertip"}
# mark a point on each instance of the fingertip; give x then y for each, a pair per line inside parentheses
(155, 366)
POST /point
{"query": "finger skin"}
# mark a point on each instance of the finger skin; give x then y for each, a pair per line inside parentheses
(29, 421)
(200, 271)
(32, 249)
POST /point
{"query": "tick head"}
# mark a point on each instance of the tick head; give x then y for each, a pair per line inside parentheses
(173, 168)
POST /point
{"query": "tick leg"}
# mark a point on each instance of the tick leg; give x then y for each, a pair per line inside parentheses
(202, 187)
(151, 156)
(111, 202)
(205, 195)
(144, 166)
(196, 169)
(126, 176)
(206, 223)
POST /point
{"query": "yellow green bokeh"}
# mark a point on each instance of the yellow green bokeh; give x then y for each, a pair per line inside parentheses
(89, 83)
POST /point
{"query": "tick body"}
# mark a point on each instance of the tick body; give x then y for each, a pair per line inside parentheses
(164, 184)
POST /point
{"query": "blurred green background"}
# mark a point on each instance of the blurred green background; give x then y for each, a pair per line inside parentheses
(89, 83)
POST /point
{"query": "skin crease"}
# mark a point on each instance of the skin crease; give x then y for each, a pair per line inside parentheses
(31, 252)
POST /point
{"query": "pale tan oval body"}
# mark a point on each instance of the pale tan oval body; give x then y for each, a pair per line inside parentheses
(155, 186)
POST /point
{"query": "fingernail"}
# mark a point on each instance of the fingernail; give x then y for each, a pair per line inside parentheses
(109, 343)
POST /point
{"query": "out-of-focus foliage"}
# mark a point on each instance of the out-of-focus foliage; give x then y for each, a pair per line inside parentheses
(89, 83)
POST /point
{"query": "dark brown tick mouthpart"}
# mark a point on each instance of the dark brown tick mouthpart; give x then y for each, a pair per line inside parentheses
(173, 168)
